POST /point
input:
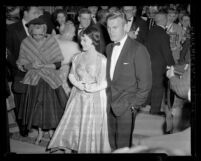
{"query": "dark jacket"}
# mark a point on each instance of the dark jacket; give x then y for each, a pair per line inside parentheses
(143, 29)
(158, 46)
(132, 77)
(14, 36)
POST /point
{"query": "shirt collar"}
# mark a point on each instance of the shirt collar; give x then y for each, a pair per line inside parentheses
(24, 22)
(122, 41)
(25, 27)
(162, 26)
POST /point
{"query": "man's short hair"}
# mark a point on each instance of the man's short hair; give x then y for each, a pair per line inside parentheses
(84, 11)
(117, 14)
(171, 10)
(157, 17)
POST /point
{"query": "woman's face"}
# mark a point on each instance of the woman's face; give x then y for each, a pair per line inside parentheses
(185, 21)
(86, 42)
(61, 18)
(38, 33)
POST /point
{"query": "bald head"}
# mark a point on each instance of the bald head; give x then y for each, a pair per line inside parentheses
(161, 18)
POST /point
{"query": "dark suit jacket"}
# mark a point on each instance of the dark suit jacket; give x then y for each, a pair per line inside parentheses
(185, 52)
(14, 36)
(158, 46)
(142, 24)
(132, 77)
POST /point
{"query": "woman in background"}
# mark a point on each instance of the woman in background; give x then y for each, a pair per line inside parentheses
(68, 48)
(59, 18)
(83, 127)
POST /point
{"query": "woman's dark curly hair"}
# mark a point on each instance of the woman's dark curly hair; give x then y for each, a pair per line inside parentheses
(94, 34)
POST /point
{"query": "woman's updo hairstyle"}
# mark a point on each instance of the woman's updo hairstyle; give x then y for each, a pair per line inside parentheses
(94, 34)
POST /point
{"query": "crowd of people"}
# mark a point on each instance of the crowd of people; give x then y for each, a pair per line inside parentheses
(84, 77)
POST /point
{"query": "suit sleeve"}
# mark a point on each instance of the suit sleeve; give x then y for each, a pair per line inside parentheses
(166, 51)
(181, 85)
(10, 43)
(142, 64)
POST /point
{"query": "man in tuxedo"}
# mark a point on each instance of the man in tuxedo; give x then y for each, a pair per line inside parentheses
(93, 10)
(137, 27)
(129, 80)
(84, 18)
(15, 34)
(161, 56)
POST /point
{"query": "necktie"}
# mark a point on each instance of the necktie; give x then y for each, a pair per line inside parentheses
(116, 44)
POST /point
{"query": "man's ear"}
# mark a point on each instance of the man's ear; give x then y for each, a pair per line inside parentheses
(78, 18)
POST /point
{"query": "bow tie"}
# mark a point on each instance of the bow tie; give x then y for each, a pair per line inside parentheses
(116, 44)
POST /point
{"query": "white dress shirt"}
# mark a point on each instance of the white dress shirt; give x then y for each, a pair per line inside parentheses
(115, 55)
(26, 28)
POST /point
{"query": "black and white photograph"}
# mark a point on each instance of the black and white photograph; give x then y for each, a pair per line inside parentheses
(99, 79)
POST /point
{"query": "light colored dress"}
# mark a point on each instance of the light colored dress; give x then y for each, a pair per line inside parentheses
(83, 127)
(68, 49)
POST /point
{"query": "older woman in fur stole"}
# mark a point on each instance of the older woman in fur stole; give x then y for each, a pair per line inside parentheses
(44, 101)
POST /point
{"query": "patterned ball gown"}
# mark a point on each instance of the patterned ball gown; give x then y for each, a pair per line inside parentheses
(83, 127)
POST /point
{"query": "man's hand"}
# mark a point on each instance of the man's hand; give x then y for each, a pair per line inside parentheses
(132, 34)
(170, 72)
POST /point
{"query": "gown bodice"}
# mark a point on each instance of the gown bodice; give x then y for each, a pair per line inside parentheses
(86, 72)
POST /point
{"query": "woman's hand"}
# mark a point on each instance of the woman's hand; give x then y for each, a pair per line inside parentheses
(81, 85)
(88, 88)
(36, 65)
(20, 67)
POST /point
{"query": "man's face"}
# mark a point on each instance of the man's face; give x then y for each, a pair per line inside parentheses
(33, 13)
(186, 21)
(116, 29)
(171, 17)
(93, 9)
(130, 11)
(85, 20)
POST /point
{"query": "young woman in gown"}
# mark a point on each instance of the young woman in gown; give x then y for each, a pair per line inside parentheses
(83, 127)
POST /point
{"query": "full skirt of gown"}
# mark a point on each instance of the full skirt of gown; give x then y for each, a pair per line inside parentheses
(42, 106)
(83, 126)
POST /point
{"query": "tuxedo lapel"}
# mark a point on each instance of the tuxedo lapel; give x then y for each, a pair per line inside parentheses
(121, 57)
(109, 62)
